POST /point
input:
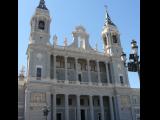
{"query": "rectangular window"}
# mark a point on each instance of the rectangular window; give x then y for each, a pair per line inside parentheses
(121, 79)
(81, 101)
(58, 101)
(98, 102)
(79, 66)
(70, 101)
(93, 68)
(58, 64)
(38, 75)
(69, 65)
(61, 64)
(79, 78)
(72, 65)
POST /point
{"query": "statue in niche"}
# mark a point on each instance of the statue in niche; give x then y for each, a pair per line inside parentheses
(55, 39)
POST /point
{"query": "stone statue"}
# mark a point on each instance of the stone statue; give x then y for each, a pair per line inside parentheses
(65, 41)
(55, 39)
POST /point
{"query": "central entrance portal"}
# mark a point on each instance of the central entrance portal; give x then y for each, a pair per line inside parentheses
(59, 116)
(82, 114)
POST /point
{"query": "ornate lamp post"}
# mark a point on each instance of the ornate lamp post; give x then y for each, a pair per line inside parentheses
(45, 111)
(133, 64)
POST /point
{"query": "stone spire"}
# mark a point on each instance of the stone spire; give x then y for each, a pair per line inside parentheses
(42, 5)
(55, 39)
(108, 19)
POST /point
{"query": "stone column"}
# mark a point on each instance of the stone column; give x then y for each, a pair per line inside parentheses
(76, 63)
(98, 71)
(126, 76)
(111, 107)
(66, 108)
(27, 104)
(117, 105)
(49, 67)
(66, 73)
(107, 73)
(48, 100)
(132, 110)
(91, 107)
(102, 107)
(78, 108)
(89, 75)
(55, 77)
(54, 107)
(115, 108)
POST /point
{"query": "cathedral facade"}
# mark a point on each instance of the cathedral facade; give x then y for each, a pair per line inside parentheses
(75, 81)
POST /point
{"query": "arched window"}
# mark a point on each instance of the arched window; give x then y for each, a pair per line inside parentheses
(105, 40)
(114, 37)
(41, 25)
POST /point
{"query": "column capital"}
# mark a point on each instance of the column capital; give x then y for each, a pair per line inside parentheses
(91, 95)
(76, 58)
(48, 92)
(66, 94)
(54, 55)
(106, 62)
(78, 95)
(101, 95)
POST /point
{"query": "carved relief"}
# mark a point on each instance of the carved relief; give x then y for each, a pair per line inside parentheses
(39, 56)
(125, 102)
(38, 97)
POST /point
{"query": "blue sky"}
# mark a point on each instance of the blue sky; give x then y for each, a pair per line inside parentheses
(66, 14)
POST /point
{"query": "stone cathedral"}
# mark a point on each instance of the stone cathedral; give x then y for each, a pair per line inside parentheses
(75, 81)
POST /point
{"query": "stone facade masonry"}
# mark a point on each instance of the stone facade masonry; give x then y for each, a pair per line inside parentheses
(75, 81)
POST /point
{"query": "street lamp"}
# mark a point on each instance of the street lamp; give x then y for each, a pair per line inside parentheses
(133, 64)
(45, 111)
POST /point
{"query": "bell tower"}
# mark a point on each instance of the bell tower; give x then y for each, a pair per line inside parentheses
(37, 52)
(111, 38)
(113, 49)
(40, 25)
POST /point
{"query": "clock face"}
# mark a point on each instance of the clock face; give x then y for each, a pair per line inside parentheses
(41, 25)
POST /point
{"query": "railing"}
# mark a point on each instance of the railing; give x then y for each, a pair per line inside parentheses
(104, 84)
(79, 50)
(95, 83)
(48, 80)
(84, 83)
(72, 82)
(60, 81)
